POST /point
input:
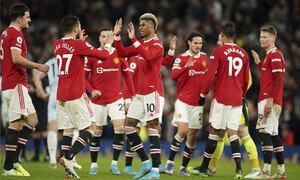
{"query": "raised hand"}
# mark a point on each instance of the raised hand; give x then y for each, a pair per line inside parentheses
(118, 26)
(173, 43)
(255, 56)
(82, 35)
(130, 30)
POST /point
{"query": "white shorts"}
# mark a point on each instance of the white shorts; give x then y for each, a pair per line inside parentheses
(52, 115)
(4, 112)
(114, 110)
(222, 116)
(193, 115)
(77, 113)
(272, 123)
(146, 107)
(162, 102)
(18, 102)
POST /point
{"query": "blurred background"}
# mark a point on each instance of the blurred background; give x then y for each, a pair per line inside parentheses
(178, 18)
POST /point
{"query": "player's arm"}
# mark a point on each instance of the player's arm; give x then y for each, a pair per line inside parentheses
(128, 77)
(150, 54)
(17, 58)
(121, 50)
(277, 66)
(256, 58)
(37, 81)
(87, 72)
(210, 74)
(179, 68)
(168, 59)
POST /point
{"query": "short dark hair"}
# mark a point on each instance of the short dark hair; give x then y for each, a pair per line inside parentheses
(17, 10)
(269, 29)
(228, 30)
(192, 35)
(68, 23)
(105, 29)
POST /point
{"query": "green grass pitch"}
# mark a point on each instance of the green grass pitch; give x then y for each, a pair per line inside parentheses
(41, 170)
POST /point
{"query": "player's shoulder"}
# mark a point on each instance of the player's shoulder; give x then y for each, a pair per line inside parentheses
(275, 52)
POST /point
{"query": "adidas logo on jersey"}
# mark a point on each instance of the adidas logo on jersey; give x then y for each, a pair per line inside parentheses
(99, 62)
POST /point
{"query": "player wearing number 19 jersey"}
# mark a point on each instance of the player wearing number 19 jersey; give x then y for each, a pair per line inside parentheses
(229, 71)
(73, 105)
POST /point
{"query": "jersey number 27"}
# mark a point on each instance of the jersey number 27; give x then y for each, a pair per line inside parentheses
(62, 60)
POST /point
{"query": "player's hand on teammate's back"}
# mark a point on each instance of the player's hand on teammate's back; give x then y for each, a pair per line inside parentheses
(43, 68)
(255, 57)
(118, 27)
(130, 30)
(96, 93)
(173, 43)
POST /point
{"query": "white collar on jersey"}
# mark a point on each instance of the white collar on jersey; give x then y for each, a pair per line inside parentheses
(188, 53)
(67, 38)
(14, 27)
(232, 44)
(111, 50)
(155, 37)
(274, 48)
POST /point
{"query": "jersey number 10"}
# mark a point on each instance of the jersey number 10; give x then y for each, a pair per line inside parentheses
(68, 58)
(236, 63)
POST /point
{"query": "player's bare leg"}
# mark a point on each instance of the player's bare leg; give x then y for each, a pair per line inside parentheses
(94, 149)
(182, 129)
(118, 142)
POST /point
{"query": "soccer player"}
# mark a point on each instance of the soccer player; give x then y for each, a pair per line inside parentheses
(229, 72)
(21, 113)
(270, 101)
(107, 99)
(145, 106)
(189, 70)
(73, 106)
(167, 61)
(247, 141)
(51, 97)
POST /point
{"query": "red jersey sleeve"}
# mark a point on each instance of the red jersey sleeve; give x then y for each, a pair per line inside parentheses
(210, 75)
(87, 71)
(85, 49)
(167, 60)
(128, 78)
(17, 40)
(151, 53)
(278, 68)
(122, 51)
(178, 68)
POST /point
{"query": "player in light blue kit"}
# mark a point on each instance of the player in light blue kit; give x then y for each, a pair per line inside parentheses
(51, 94)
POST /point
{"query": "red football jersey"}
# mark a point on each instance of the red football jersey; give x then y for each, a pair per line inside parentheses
(272, 65)
(105, 76)
(189, 80)
(70, 55)
(150, 54)
(12, 74)
(229, 71)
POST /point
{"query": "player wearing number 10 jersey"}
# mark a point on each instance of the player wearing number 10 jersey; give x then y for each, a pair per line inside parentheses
(73, 105)
(229, 71)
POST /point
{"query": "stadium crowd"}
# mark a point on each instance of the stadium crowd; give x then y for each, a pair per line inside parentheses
(180, 18)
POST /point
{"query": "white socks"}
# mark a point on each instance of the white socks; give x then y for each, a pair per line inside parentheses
(52, 146)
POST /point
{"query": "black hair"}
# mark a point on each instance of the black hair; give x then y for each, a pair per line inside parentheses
(228, 30)
(17, 10)
(192, 35)
(105, 29)
(68, 23)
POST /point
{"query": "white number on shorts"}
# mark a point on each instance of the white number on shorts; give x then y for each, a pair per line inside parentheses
(68, 58)
(121, 106)
(1, 50)
(150, 107)
(235, 63)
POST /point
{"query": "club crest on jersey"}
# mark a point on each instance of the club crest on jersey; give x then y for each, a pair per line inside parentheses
(116, 60)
